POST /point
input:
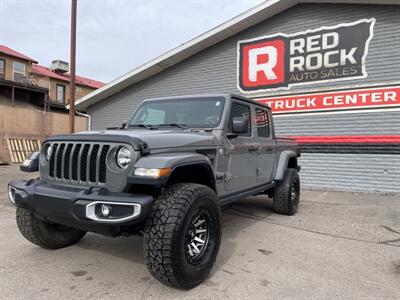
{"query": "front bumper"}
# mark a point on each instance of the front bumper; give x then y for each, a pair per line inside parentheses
(79, 207)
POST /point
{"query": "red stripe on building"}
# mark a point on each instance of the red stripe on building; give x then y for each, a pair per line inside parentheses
(349, 139)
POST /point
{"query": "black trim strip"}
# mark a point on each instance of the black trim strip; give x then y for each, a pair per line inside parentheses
(352, 148)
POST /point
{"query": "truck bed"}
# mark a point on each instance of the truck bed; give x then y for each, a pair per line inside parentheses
(285, 143)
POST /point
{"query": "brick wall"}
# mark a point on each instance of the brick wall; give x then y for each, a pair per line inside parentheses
(26, 121)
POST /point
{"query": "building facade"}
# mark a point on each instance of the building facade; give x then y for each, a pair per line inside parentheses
(57, 84)
(21, 72)
(14, 65)
(33, 100)
(330, 72)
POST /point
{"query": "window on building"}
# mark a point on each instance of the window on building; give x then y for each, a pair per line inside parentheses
(78, 89)
(262, 121)
(2, 68)
(18, 70)
(240, 110)
(60, 93)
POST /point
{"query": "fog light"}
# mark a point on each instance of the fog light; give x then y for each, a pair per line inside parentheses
(105, 210)
(11, 194)
(112, 212)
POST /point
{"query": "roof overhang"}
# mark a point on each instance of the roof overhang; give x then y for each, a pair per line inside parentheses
(227, 29)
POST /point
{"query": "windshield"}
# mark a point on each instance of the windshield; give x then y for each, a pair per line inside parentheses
(188, 112)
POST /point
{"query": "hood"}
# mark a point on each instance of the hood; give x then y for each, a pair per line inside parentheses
(158, 139)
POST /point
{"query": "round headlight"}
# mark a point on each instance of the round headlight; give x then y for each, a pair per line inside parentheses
(48, 152)
(124, 157)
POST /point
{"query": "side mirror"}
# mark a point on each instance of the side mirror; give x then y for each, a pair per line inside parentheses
(124, 123)
(240, 125)
(31, 163)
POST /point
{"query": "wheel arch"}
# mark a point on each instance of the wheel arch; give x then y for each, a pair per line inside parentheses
(287, 159)
(201, 173)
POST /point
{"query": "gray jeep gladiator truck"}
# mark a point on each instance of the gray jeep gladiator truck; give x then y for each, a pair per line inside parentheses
(163, 174)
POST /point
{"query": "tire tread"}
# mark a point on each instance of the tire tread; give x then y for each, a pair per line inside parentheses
(282, 198)
(35, 231)
(160, 234)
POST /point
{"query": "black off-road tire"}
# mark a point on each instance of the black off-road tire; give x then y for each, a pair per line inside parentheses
(166, 232)
(46, 235)
(287, 193)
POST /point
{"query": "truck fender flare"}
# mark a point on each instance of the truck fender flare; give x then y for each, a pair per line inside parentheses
(174, 161)
(283, 162)
(171, 160)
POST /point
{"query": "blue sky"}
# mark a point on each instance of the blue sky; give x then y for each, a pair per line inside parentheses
(113, 37)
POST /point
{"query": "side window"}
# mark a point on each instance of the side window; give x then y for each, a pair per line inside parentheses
(2, 68)
(18, 70)
(60, 93)
(240, 110)
(262, 121)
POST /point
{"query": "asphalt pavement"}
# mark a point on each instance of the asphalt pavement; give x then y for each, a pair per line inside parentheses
(338, 246)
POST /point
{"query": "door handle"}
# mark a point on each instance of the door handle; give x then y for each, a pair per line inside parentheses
(252, 148)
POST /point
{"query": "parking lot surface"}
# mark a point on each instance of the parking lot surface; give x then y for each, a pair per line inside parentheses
(339, 246)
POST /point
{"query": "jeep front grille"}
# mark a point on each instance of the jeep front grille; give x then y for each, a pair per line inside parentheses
(79, 162)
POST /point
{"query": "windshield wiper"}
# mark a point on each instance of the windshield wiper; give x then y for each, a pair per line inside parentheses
(180, 125)
(147, 126)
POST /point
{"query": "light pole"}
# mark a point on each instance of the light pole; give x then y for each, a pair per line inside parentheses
(72, 70)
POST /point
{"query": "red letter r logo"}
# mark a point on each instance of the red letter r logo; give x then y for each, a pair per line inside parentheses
(261, 64)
